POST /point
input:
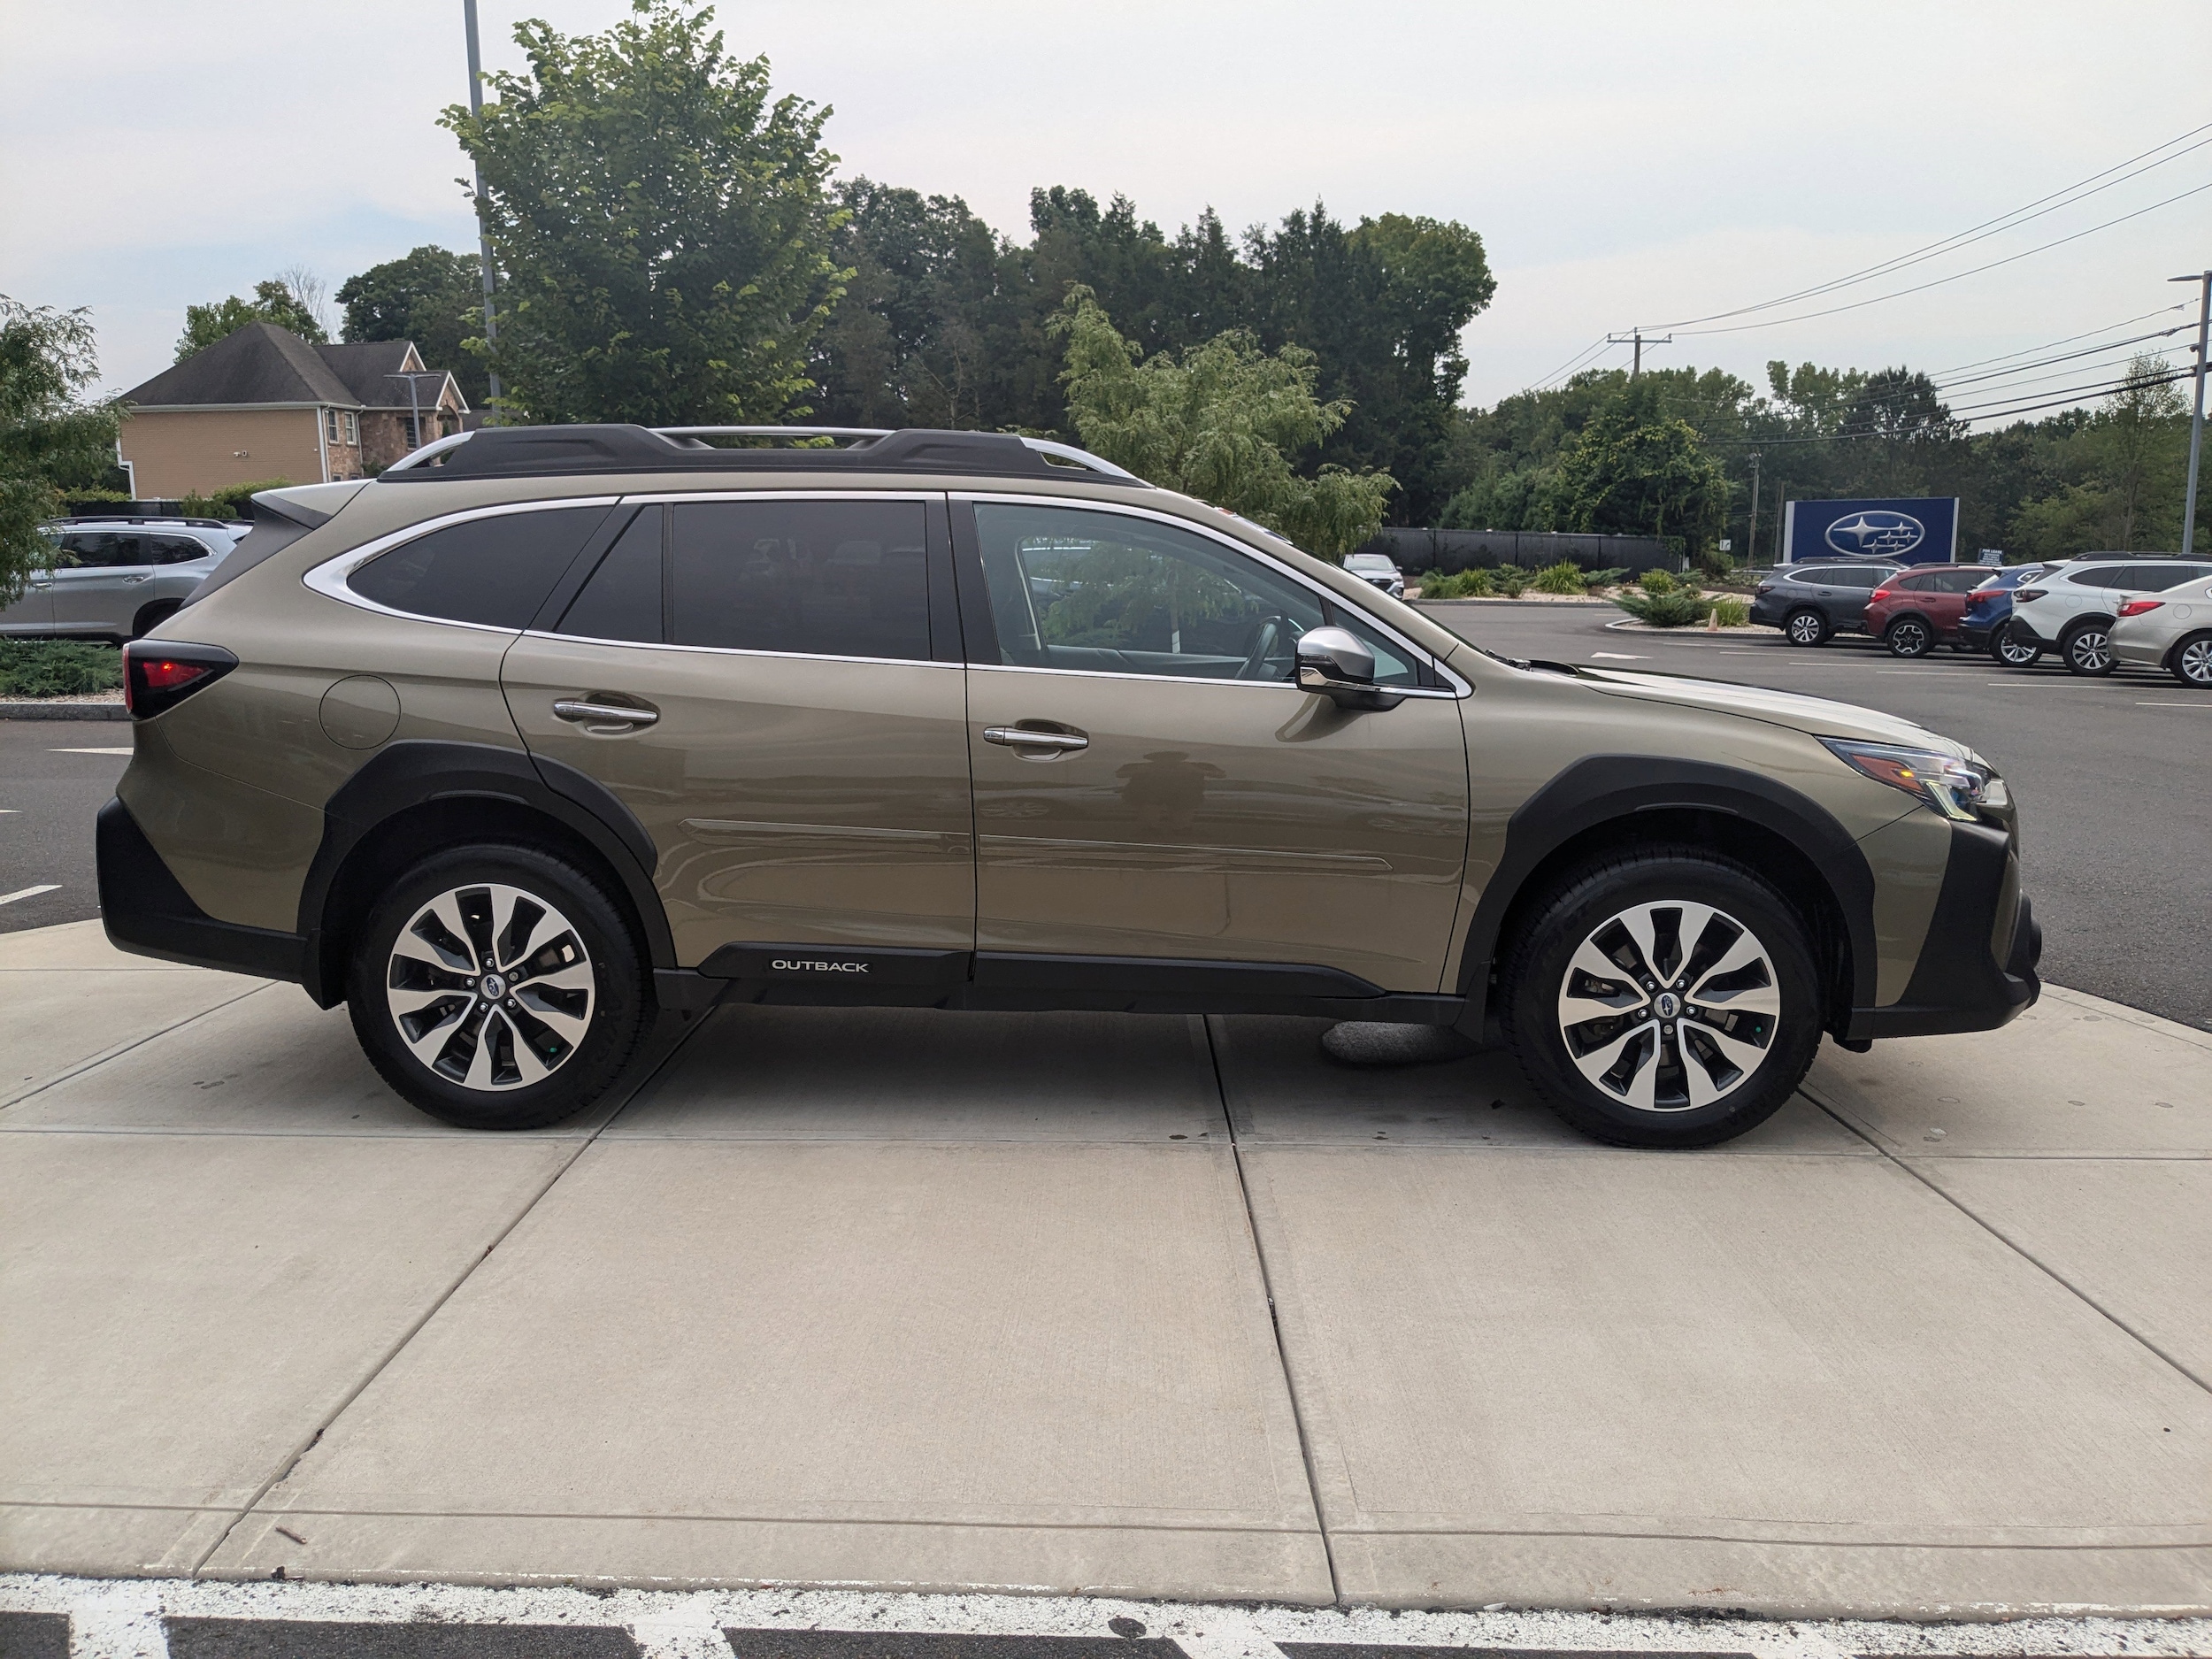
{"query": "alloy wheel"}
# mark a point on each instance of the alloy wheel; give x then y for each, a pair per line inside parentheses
(2014, 653)
(1908, 639)
(2089, 651)
(1805, 628)
(2194, 661)
(1670, 1006)
(490, 987)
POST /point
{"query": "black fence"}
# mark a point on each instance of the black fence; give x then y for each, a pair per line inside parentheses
(1451, 552)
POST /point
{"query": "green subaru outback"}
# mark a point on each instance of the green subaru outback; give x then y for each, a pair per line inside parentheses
(548, 733)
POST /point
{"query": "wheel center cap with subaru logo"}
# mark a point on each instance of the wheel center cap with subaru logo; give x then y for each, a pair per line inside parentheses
(494, 987)
(1668, 1005)
(1877, 530)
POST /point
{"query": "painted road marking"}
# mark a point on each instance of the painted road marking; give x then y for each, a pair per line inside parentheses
(2174, 705)
(91, 751)
(1618, 657)
(29, 893)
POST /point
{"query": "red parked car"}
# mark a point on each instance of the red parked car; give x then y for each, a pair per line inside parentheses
(1918, 605)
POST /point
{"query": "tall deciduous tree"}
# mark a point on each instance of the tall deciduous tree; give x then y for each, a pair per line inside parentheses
(1218, 421)
(664, 225)
(275, 300)
(51, 438)
(1636, 472)
(432, 296)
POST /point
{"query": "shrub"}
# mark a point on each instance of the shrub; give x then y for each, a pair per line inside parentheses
(58, 668)
(1460, 585)
(1563, 578)
(1732, 613)
(1678, 608)
(1508, 579)
(1657, 581)
(1596, 579)
(1716, 564)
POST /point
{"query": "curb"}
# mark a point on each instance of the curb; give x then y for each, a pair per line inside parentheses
(1557, 604)
(64, 711)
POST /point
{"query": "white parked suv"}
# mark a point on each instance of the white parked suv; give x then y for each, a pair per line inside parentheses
(115, 579)
(2072, 610)
(2172, 631)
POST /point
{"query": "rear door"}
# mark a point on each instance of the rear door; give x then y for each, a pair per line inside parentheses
(773, 685)
(95, 577)
(1179, 797)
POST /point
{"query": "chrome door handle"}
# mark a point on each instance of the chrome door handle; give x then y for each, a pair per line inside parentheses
(583, 713)
(1017, 737)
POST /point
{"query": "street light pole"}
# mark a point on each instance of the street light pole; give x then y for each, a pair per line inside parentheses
(484, 234)
(414, 402)
(2196, 420)
(1751, 536)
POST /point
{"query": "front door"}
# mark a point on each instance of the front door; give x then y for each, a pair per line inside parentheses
(764, 682)
(1151, 783)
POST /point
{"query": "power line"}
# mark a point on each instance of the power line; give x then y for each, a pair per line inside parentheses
(2072, 193)
(2002, 357)
(2086, 351)
(1572, 363)
(1921, 287)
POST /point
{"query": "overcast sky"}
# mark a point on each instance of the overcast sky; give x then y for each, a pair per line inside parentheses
(1625, 163)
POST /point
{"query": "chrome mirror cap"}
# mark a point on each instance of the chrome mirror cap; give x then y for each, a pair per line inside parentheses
(1335, 663)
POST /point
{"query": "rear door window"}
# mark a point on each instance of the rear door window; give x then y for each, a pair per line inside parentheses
(622, 600)
(805, 578)
(1869, 577)
(2156, 579)
(495, 570)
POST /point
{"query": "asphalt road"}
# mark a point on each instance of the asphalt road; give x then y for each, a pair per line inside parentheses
(49, 788)
(2112, 776)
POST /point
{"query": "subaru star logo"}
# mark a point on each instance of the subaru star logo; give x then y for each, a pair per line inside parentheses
(1878, 531)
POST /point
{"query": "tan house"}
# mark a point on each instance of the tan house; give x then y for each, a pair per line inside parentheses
(261, 403)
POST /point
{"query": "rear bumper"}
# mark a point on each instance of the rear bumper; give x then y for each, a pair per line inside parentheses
(147, 911)
(1978, 635)
(2138, 653)
(1977, 965)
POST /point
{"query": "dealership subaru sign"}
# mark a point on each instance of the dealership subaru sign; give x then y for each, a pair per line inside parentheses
(1925, 531)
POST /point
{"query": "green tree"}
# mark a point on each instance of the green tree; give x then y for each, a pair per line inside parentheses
(1634, 470)
(664, 227)
(275, 300)
(432, 296)
(51, 439)
(1218, 421)
(2144, 431)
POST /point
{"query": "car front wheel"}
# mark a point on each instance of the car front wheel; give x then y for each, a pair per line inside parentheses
(1806, 627)
(497, 987)
(2013, 651)
(2088, 650)
(1664, 998)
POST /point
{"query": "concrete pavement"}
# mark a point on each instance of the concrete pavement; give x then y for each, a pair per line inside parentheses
(1139, 1306)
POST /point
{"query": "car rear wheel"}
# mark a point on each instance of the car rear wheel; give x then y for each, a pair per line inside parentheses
(2013, 651)
(151, 617)
(2086, 648)
(1664, 998)
(1909, 636)
(1806, 627)
(498, 987)
(2191, 662)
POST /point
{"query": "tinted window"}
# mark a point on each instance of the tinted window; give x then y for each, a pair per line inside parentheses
(622, 601)
(1925, 582)
(1818, 575)
(2156, 579)
(175, 549)
(821, 578)
(1113, 594)
(495, 571)
(104, 549)
(1867, 576)
(1961, 579)
(2095, 576)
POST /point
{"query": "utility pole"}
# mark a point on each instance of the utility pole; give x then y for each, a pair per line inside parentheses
(1751, 536)
(2196, 420)
(414, 402)
(483, 230)
(1636, 367)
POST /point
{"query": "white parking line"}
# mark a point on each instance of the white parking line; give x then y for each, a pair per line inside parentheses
(2174, 705)
(91, 751)
(29, 893)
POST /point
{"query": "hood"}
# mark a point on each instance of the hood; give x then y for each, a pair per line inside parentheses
(1817, 716)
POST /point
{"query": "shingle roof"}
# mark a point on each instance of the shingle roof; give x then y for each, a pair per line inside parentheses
(363, 366)
(259, 364)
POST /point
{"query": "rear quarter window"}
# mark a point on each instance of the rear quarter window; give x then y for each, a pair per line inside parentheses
(495, 572)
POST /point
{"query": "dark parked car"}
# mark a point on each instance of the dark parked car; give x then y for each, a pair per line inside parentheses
(1989, 608)
(1915, 609)
(1811, 603)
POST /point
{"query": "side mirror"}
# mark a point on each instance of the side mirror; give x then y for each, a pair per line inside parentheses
(1334, 663)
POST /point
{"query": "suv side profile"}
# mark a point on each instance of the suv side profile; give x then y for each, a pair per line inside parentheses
(2072, 609)
(554, 735)
(118, 578)
(1811, 604)
(1914, 609)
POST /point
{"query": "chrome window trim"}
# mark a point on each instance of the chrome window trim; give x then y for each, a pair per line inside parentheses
(328, 578)
(732, 651)
(1458, 685)
(1436, 693)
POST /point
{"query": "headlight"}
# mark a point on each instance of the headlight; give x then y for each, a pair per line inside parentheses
(1953, 788)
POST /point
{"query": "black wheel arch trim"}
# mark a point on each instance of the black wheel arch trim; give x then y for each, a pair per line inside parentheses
(416, 771)
(1958, 984)
(1600, 789)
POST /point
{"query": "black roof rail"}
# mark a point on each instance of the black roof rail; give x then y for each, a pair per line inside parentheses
(557, 451)
(142, 518)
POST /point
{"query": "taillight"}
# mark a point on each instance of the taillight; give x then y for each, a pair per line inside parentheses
(2137, 607)
(2022, 594)
(1881, 593)
(158, 674)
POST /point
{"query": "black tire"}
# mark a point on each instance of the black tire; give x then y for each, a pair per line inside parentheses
(2191, 662)
(575, 1025)
(1806, 626)
(1583, 907)
(151, 617)
(1909, 636)
(2086, 648)
(2012, 651)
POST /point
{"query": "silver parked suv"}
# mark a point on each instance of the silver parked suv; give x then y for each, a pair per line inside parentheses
(2072, 609)
(118, 578)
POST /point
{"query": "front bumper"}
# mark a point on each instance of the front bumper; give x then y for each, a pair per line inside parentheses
(147, 911)
(1977, 965)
